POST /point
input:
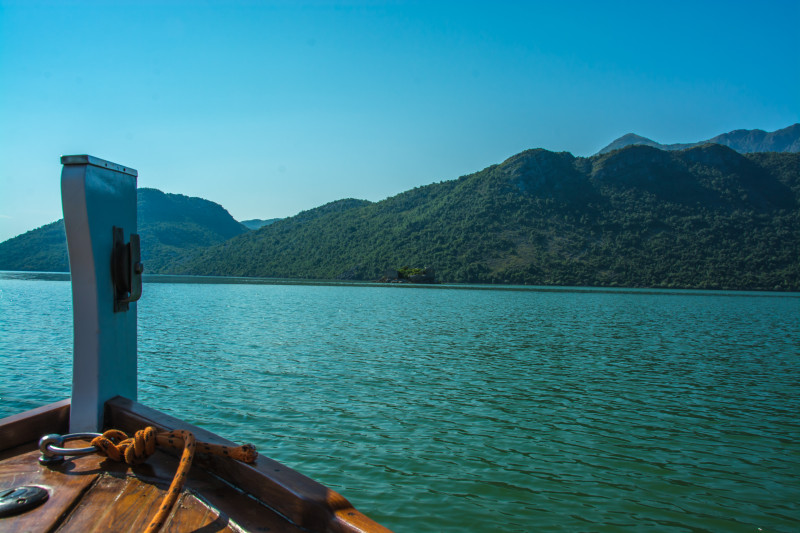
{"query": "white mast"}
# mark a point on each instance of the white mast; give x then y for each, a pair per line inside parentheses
(99, 202)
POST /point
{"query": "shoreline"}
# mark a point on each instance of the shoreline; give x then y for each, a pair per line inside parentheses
(234, 280)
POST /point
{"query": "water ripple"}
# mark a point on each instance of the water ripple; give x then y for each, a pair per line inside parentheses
(453, 410)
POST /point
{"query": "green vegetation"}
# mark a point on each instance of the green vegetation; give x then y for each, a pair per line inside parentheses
(171, 227)
(43, 249)
(174, 226)
(406, 272)
(706, 217)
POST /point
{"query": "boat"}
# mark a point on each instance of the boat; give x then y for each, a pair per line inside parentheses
(58, 468)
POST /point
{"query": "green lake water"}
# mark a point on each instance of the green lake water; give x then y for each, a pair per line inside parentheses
(468, 409)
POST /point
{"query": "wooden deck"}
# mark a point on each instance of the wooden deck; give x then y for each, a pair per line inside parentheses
(94, 494)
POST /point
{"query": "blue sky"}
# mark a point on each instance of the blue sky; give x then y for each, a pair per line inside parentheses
(271, 108)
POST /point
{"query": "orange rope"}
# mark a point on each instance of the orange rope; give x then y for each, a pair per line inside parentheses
(117, 446)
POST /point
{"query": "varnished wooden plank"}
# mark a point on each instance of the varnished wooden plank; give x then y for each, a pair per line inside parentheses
(304, 501)
(193, 515)
(29, 426)
(248, 513)
(12, 453)
(114, 505)
(128, 504)
(65, 483)
(245, 511)
(69, 479)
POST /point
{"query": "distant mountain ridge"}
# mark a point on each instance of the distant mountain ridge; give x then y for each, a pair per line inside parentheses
(171, 226)
(705, 217)
(256, 223)
(743, 141)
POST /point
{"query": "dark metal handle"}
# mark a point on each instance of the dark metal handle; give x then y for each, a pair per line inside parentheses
(136, 269)
(126, 270)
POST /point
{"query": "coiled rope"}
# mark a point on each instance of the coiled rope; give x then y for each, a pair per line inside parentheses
(117, 446)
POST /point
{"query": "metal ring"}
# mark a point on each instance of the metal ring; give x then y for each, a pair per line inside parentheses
(50, 445)
(54, 450)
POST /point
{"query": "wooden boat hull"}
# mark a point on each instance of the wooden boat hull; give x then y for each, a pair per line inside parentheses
(91, 493)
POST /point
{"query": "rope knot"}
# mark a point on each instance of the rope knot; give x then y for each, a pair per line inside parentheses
(117, 446)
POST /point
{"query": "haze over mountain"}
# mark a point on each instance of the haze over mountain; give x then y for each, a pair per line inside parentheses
(256, 223)
(170, 225)
(743, 141)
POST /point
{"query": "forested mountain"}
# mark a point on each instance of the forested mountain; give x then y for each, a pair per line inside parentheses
(704, 217)
(42, 249)
(743, 141)
(170, 226)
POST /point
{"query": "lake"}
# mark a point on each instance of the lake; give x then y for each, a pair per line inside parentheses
(468, 408)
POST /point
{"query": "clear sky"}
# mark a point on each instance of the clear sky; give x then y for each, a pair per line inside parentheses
(271, 108)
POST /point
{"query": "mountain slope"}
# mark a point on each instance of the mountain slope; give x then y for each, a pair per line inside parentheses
(743, 141)
(42, 249)
(706, 217)
(173, 225)
(750, 141)
(170, 226)
(633, 139)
